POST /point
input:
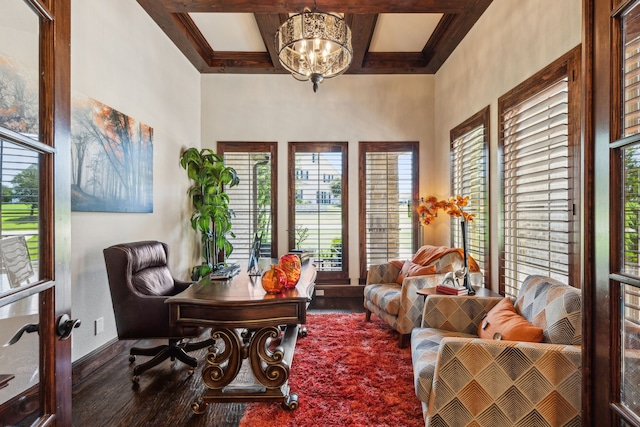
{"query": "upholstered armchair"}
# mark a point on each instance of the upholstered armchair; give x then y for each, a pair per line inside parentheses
(391, 293)
(462, 379)
(140, 282)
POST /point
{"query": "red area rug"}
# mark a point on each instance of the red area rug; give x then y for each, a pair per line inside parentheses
(346, 372)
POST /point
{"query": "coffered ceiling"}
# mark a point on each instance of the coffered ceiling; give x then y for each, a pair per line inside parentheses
(388, 36)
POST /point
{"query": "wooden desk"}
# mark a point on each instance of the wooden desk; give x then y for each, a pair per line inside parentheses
(480, 292)
(242, 304)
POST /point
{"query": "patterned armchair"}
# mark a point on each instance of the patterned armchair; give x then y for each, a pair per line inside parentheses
(464, 380)
(398, 304)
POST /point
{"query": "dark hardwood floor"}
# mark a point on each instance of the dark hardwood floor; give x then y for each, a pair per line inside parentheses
(164, 395)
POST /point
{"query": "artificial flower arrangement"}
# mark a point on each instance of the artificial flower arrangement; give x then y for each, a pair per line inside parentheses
(429, 207)
(428, 210)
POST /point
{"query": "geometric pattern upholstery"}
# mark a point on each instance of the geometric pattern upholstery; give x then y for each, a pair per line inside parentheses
(399, 305)
(552, 306)
(464, 380)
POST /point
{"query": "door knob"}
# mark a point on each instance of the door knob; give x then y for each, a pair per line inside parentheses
(28, 328)
(66, 326)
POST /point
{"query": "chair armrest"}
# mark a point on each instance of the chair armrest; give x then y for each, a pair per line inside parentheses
(545, 376)
(382, 273)
(412, 304)
(180, 285)
(457, 313)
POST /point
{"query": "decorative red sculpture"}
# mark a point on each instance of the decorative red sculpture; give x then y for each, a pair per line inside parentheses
(290, 264)
(274, 280)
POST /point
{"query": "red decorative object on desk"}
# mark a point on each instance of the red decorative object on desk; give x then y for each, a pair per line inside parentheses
(274, 280)
(290, 264)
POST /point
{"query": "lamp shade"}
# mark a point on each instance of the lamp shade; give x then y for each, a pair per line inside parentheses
(314, 46)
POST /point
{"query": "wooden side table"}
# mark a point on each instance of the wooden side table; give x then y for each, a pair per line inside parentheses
(480, 292)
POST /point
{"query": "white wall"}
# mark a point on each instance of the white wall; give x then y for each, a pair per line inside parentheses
(121, 58)
(346, 108)
(510, 42)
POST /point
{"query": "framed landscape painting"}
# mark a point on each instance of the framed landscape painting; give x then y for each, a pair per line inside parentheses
(111, 160)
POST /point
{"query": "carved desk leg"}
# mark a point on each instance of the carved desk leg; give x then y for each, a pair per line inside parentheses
(270, 367)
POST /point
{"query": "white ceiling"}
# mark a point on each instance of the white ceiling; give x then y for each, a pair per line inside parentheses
(236, 32)
(403, 32)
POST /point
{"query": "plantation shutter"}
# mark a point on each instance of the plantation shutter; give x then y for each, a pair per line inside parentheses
(251, 199)
(469, 178)
(318, 206)
(537, 197)
(389, 188)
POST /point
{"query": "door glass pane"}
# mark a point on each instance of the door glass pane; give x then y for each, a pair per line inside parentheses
(631, 203)
(19, 47)
(19, 215)
(19, 360)
(630, 381)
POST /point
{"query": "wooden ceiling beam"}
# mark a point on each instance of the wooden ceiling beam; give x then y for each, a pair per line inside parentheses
(449, 33)
(291, 6)
(242, 63)
(392, 63)
(184, 34)
(268, 25)
(362, 27)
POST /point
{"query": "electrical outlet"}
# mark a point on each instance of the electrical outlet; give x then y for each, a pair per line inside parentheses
(319, 292)
(99, 323)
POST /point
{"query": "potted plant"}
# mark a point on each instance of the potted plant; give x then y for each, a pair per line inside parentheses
(298, 235)
(211, 213)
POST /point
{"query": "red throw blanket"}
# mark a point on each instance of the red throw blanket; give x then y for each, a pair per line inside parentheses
(428, 254)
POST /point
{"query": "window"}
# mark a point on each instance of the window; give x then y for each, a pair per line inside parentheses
(253, 201)
(470, 177)
(539, 136)
(388, 187)
(320, 213)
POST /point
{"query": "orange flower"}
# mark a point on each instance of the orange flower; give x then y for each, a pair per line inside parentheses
(429, 207)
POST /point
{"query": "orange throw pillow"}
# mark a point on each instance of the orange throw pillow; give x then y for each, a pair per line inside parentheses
(502, 319)
(410, 269)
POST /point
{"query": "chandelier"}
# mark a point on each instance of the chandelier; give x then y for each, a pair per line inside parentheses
(314, 46)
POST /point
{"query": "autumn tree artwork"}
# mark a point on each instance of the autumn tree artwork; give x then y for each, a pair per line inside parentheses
(111, 160)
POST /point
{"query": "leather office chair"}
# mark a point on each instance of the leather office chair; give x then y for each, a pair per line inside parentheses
(140, 282)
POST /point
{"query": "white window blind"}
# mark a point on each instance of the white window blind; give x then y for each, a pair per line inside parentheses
(251, 201)
(388, 190)
(318, 207)
(469, 178)
(537, 196)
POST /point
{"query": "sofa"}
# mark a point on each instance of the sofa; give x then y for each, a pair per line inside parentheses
(390, 290)
(462, 379)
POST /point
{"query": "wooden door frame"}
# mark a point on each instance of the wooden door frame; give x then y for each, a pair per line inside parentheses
(54, 388)
(57, 89)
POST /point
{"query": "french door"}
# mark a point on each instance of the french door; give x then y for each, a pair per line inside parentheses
(35, 323)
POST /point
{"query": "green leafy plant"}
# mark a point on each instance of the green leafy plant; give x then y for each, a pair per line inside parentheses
(211, 213)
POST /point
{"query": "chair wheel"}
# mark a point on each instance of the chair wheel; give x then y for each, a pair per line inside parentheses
(135, 379)
(132, 358)
(291, 402)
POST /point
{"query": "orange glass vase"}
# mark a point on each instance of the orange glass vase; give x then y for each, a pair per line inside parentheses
(274, 280)
(290, 264)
